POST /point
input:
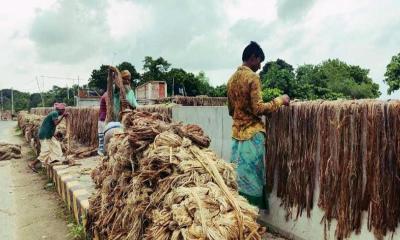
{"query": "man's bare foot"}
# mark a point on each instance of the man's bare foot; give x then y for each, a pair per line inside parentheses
(32, 166)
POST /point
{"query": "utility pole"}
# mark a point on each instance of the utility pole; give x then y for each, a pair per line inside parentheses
(2, 101)
(12, 101)
(1, 115)
(67, 92)
(173, 86)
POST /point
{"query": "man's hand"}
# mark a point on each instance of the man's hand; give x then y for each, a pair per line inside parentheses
(286, 100)
(124, 103)
(65, 114)
(113, 69)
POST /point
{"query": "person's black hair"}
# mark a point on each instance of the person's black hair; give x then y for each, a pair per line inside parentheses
(252, 49)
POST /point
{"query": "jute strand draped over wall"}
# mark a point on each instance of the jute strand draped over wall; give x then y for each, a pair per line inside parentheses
(351, 149)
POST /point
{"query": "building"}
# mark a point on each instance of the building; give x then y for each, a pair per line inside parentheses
(152, 90)
(87, 101)
(87, 98)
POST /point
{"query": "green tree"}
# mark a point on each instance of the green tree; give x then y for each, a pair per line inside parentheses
(332, 79)
(21, 100)
(392, 75)
(98, 78)
(220, 91)
(269, 94)
(59, 94)
(350, 81)
(155, 69)
(35, 100)
(279, 75)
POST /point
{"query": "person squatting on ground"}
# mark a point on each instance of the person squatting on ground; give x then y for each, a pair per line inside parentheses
(50, 147)
(248, 133)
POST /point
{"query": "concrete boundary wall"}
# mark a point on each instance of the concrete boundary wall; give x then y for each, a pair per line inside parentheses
(215, 121)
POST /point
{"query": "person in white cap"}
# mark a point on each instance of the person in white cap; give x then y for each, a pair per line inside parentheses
(50, 148)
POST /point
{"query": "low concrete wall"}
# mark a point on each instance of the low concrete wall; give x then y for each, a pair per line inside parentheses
(217, 123)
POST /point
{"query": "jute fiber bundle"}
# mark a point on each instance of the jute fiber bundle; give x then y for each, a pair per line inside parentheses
(195, 101)
(352, 148)
(9, 151)
(82, 123)
(41, 110)
(160, 181)
(164, 109)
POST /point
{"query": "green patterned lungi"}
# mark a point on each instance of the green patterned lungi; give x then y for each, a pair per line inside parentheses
(248, 155)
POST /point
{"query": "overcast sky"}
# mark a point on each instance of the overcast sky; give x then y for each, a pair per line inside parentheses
(69, 38)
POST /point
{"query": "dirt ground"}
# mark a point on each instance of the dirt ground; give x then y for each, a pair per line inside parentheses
(28, 210)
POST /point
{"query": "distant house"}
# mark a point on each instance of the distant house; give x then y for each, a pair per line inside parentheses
(152, 90)
(87, 98)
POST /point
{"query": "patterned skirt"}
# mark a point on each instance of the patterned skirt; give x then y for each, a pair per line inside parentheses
(248, 155)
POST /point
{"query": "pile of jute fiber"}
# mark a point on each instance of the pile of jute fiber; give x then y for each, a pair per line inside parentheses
(351, 149)
(195, 101)
(160, 181)
(9, 151)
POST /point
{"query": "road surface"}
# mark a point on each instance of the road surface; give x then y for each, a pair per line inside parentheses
(27, 210)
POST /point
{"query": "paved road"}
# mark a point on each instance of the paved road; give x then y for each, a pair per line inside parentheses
(27, 210)
(7, 213)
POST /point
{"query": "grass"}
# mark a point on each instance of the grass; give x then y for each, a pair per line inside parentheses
(18, 131)
(76, 231)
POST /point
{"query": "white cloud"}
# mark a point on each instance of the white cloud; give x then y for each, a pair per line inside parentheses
(70, 37)
(126, 17)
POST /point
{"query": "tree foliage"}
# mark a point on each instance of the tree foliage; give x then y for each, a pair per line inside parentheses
(392, 75)
(155, 69)
(21, 100)
(98, 78)
(332, 79)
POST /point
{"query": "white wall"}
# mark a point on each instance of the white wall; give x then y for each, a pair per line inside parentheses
(215, 121)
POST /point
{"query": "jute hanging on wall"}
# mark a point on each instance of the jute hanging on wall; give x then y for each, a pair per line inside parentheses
(351, 149)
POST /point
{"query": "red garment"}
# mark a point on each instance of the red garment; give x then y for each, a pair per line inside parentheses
(103, 107)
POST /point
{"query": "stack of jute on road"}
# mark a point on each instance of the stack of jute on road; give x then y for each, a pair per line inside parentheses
(160, 181)
(9, 151)
(351, 149)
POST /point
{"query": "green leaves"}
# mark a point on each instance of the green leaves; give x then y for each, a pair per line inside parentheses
(158, 69)
(268, 94)
(392, 75)
(332, 79)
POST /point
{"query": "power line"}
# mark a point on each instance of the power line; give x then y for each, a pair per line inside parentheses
(62, 78)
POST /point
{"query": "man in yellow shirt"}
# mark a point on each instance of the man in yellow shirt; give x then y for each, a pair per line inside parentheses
(248, 133)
